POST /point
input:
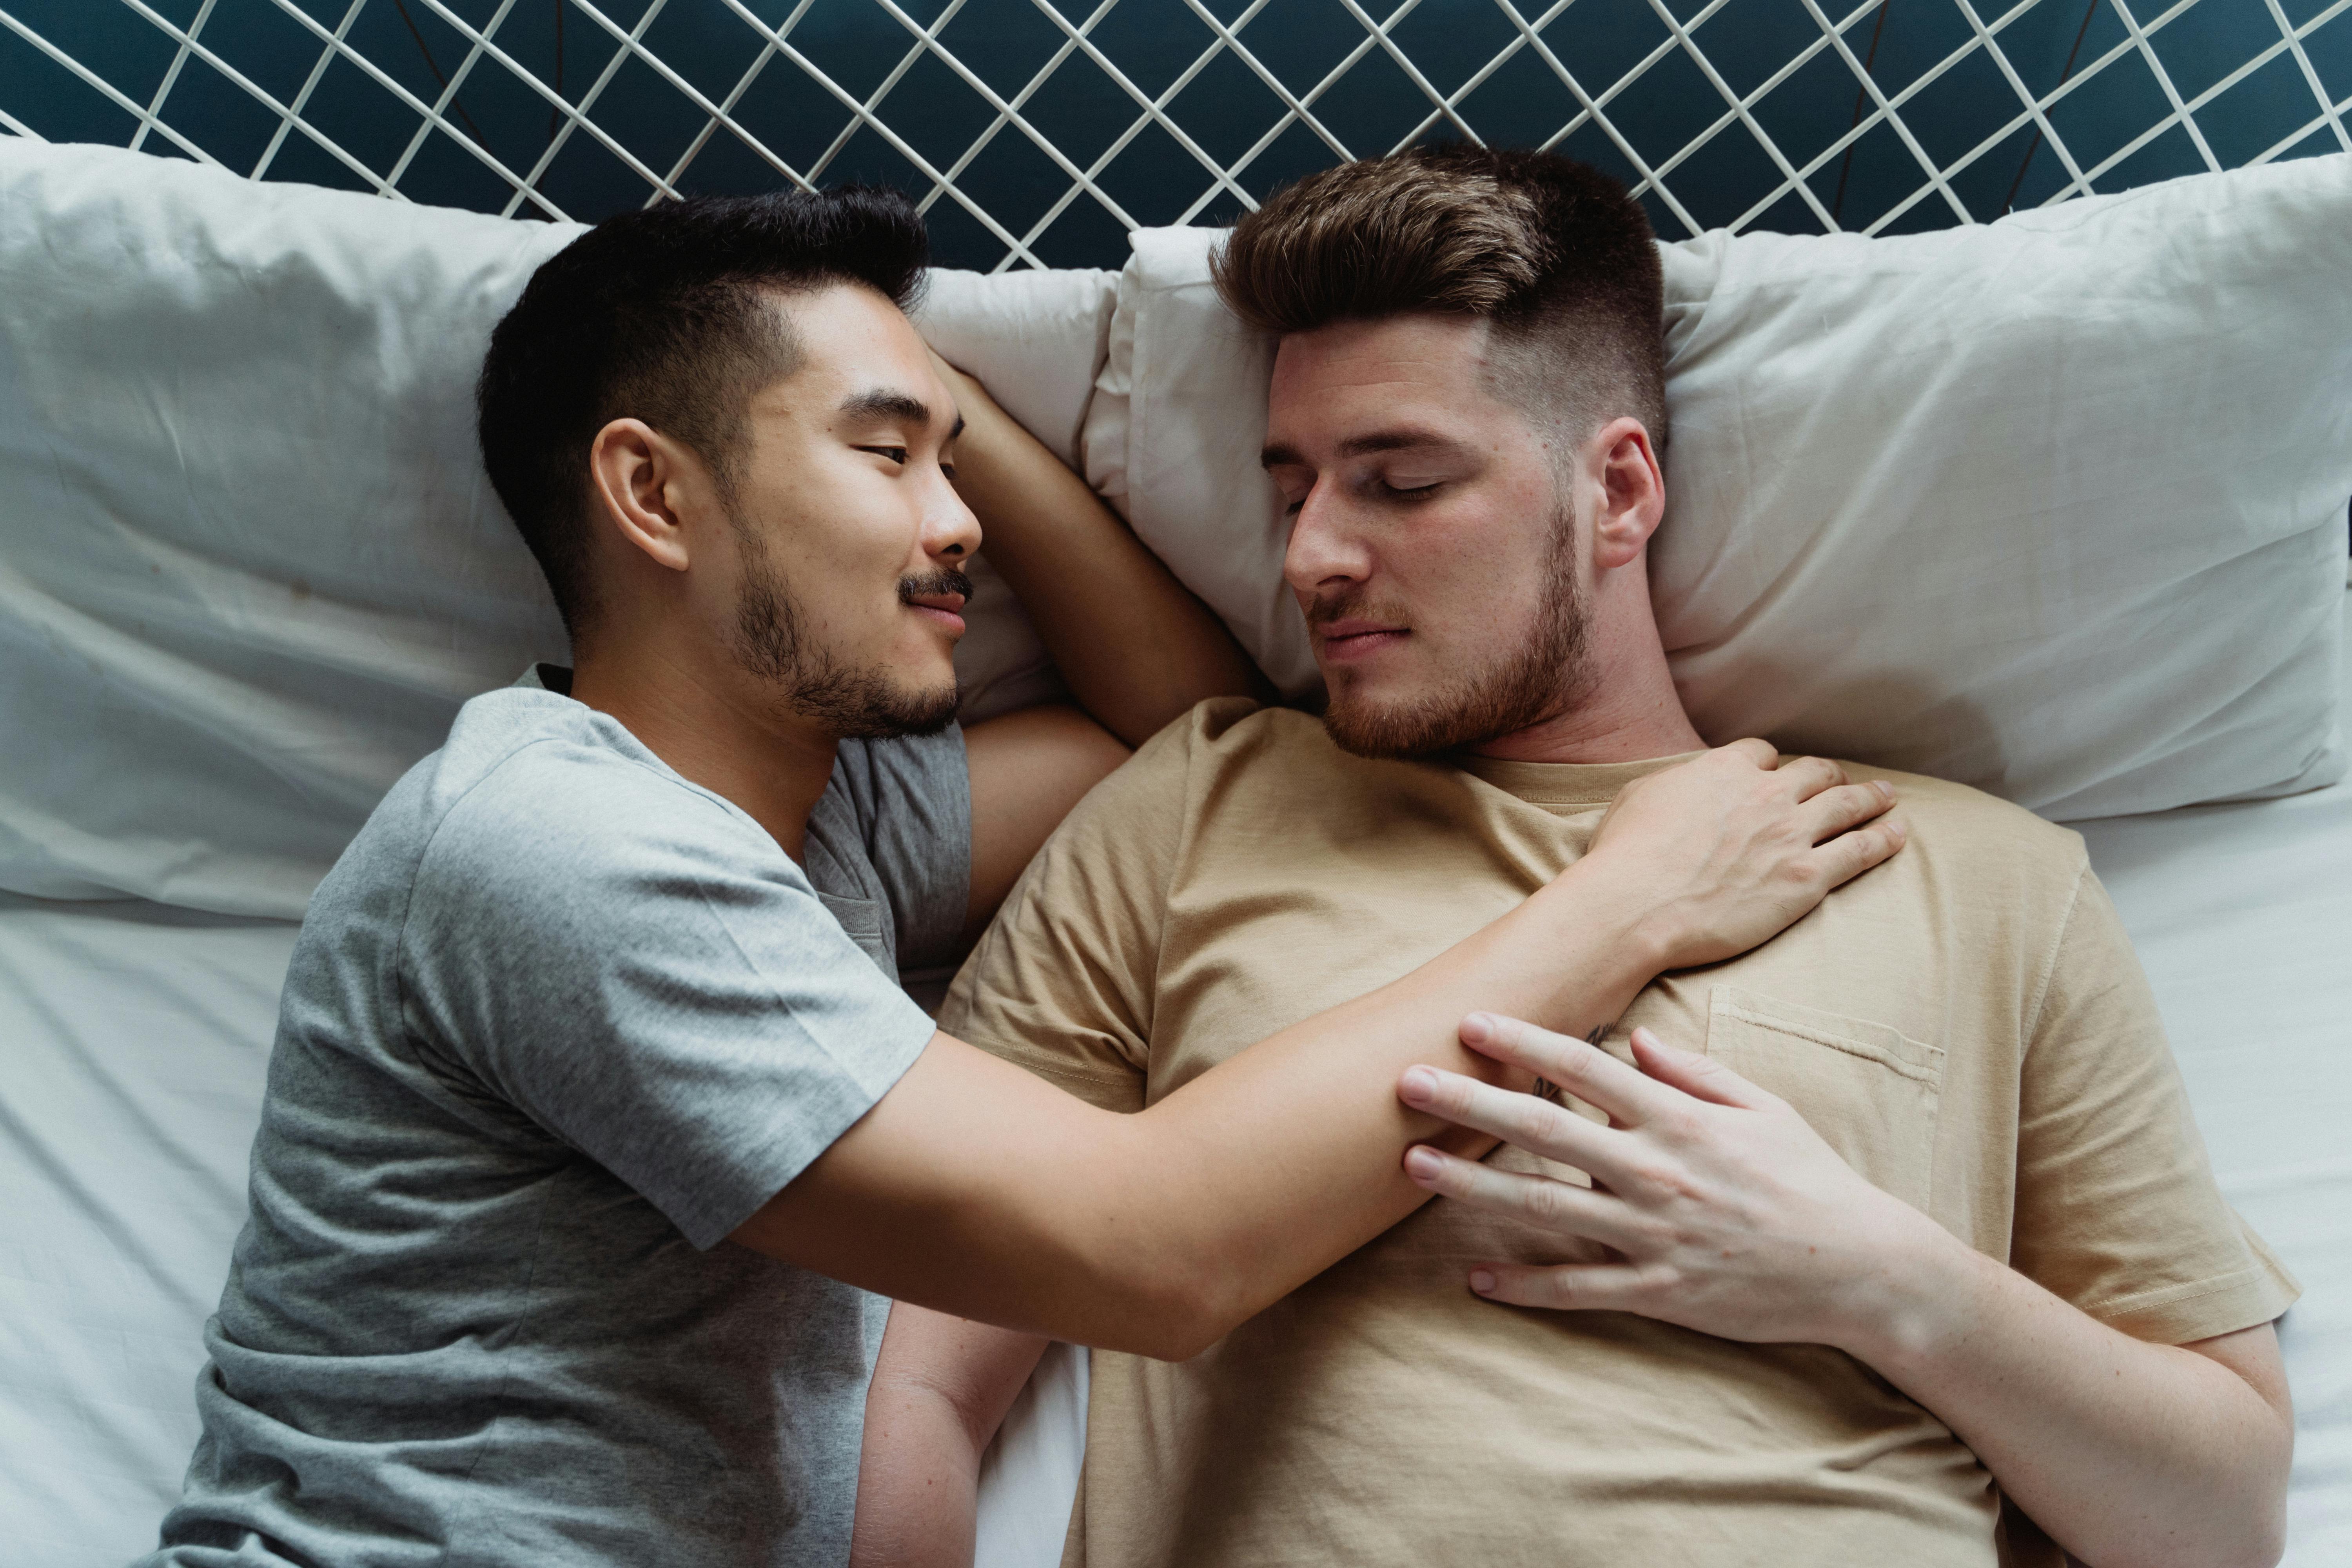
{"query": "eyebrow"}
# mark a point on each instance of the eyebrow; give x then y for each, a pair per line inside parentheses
(880, 403)
(1402, 438)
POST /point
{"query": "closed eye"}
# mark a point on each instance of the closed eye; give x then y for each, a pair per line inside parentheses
(896, 454)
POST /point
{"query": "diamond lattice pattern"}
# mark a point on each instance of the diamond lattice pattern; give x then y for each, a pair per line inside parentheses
(1035, 133)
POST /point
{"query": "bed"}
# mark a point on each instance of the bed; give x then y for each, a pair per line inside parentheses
(136, 1036)
(207, 677)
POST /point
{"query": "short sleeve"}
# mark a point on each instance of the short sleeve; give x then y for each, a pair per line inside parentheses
(2117, 1210)
(910, 797)
(1062, 982)
(638, 969)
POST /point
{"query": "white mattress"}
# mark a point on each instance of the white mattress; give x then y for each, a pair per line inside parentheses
(133, 1042)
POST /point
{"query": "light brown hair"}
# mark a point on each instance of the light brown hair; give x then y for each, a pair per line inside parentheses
(1552, 252)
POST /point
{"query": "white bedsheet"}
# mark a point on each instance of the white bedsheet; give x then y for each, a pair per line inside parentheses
(133, 1038)
(2244, 917)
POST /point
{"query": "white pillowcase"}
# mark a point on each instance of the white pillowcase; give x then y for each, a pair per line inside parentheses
(1037, 341)
(2052, 506)
(249, 562)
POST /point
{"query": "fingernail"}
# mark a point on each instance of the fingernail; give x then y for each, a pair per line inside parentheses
(1644, 1037)
(1422, 1164)
(1482, 1282)
(1885, 791)
(1899, 831)
(1420, 1085)
(1476, 1027)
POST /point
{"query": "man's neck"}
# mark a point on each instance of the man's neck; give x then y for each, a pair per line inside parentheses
(1628, 710)
(705, 724)
(1588, 733)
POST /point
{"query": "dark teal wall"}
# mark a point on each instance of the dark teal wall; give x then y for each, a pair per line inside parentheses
(1226, 107)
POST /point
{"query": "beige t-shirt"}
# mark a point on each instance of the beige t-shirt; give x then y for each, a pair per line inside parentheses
(1967, 1024)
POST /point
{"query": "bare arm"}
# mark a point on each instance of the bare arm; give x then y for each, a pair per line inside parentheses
(1732, 1216)
(2126, 1453)
(975, 1189)
(1134, 647)
(940, 1389)
(1027, 770)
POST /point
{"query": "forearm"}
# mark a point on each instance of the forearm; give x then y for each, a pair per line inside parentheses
(1319, 1097)
(917, 1485)
(940, 1388)
(1134, 647)
(975, 1189)
(2125, 1452)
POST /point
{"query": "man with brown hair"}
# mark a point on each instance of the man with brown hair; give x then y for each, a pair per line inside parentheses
(1927, 1228)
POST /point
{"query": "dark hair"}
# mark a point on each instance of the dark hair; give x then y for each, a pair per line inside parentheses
(667, 315)
(1551, 251)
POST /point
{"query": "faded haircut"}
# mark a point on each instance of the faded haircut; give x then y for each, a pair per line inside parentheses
(674, 315)
(1552, 253)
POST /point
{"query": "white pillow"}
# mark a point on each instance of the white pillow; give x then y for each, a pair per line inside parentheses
(1172, 440)
(249, 562)
(2052, 506)
(1037, 341)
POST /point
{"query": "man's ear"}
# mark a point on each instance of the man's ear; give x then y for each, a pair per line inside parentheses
(1632, 492)
(648, 487)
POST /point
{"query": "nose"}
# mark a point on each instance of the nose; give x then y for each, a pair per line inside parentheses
(950, 532)
(1325, 546)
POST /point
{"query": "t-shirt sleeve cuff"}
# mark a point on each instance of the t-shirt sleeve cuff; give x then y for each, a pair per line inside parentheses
(745, 1190)
(2199, 1309)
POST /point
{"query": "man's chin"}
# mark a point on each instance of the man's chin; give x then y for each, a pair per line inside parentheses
(1398, 731)
(874, 708)
(923, 712)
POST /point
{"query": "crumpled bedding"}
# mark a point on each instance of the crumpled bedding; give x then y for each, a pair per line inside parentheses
(134, 1039)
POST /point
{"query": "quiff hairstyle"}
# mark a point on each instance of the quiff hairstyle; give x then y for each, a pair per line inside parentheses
(1552, 252)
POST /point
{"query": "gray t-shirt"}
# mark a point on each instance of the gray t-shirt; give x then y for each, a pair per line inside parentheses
(557, 1023)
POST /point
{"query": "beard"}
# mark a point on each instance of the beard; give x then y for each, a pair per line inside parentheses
(771, 639)
(1545, 676)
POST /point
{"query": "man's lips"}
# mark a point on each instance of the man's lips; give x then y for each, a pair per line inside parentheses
(942, 608)
(1355, 637)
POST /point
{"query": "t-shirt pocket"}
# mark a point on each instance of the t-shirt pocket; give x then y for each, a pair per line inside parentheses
(1870, 1091)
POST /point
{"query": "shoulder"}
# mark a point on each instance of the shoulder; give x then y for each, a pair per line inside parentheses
(1229, 734)
(1964, 809)
(1132, 825)
(1220, 748)
(1973, 840)
(1240, 726)
(539, 804)
(560, 775)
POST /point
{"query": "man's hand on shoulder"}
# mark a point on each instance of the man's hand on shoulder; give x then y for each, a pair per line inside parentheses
(1733, 847)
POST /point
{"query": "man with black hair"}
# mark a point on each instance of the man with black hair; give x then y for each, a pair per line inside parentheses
(595, 1108)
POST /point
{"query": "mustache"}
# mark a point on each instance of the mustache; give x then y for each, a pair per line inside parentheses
(1344, 606)
(945, 581)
